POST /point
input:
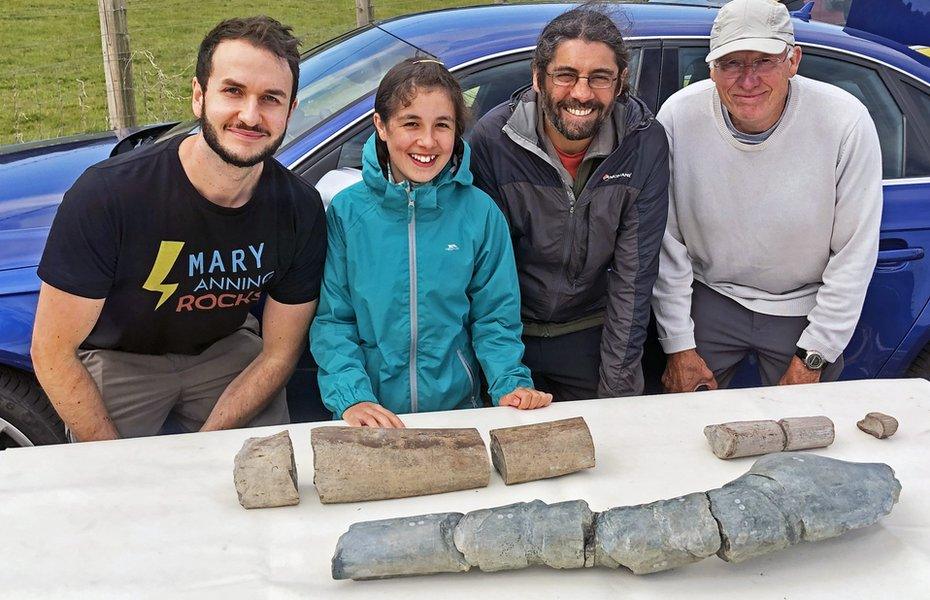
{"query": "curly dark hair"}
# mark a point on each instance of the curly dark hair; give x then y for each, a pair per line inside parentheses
(262, 32)
(590, 22)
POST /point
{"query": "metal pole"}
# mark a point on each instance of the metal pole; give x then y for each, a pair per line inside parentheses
(364, 12)
(117, 63)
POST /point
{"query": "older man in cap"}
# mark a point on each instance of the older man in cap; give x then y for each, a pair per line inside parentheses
(774, 210)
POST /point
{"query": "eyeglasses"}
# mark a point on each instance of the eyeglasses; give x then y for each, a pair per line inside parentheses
(595, 82)
(760, 66)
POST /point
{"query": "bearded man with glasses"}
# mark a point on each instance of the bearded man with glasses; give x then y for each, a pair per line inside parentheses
(579, 167)
(774, 212)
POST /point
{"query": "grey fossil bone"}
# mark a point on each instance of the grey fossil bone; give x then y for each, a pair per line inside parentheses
(524, 534)
(786, 498)
(418, 545)
(657, 536)
(782, 500)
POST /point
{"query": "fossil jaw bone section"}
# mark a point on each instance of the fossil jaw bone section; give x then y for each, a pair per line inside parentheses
(783, 499)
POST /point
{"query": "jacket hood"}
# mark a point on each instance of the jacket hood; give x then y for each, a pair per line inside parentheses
(457, 172)
(632, 115)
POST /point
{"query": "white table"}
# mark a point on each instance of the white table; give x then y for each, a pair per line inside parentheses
(159, 517)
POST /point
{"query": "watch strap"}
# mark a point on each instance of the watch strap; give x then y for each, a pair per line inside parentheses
(812, 359)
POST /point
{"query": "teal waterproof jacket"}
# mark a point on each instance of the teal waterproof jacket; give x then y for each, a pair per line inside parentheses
(419, 288)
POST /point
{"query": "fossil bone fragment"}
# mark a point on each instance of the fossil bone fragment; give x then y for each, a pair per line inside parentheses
(785, 498)
(878, 424)
(352, 464)
(524, 534)
(542, 450)
(406, 546)
(265, 474)
(657, 536)
(782, 500)
(751, 438)
(803, 433)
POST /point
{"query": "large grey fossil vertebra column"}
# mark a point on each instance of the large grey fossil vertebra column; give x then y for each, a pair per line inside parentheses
(782, 500)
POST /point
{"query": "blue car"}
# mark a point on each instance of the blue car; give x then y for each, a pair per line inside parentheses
(489, 48)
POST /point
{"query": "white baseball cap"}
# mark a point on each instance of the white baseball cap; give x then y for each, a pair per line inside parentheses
(755, 25)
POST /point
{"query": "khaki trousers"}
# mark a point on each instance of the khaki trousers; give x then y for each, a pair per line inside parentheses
(141, 390)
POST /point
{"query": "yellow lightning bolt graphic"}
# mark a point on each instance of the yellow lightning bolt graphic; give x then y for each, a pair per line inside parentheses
(168, 253)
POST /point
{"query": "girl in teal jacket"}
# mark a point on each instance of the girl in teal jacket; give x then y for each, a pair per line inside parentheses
(420, 286)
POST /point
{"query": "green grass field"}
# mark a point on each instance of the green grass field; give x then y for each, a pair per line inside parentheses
(51, 66)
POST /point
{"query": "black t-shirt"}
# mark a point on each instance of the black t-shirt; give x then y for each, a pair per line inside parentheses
(179, 272)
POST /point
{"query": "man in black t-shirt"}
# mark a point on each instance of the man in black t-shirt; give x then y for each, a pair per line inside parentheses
(156, 257)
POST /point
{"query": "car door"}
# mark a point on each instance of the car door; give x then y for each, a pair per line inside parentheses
(900, 286)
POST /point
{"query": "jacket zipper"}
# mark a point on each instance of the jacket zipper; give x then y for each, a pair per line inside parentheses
(564, 269)
(471, 377)
(412, 253)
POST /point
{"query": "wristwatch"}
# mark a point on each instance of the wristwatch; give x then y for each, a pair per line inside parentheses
(812, 359)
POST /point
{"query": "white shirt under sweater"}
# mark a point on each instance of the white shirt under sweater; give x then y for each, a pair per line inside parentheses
(786, 227)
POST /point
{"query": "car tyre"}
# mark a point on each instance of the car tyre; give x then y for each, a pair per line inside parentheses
(26, 416)
(921, 365)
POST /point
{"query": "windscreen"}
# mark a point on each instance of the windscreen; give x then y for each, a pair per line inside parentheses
(341, 72)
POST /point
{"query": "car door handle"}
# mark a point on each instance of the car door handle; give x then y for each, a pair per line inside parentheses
(886, 257)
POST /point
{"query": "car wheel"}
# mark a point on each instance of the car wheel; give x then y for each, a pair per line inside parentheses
(921, 365)
(26, 417)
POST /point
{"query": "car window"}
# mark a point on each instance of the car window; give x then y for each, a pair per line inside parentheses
(341, 72)
(865, 84)
(917, 163)
(862, 82)
(691, 65)
(483, 90)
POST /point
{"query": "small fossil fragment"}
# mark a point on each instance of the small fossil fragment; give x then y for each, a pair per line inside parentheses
(782, 500)
(542, 450)
(265, 473)
(878, 424)
(751, 438)
(352, 464)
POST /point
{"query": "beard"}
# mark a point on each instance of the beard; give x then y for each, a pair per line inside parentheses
(552, 110)
(227, 155)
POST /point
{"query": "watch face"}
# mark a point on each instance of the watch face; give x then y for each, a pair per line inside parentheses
(814, 361)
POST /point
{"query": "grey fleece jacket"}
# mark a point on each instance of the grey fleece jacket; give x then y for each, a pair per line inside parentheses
(595, 252)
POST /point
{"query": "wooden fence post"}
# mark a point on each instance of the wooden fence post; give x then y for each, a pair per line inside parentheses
(117, 63)
(364, 12)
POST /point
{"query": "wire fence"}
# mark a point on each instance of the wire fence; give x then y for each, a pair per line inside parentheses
(51, 67)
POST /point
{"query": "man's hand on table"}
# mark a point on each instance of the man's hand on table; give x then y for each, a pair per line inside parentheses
(686, 371)
(371, 414)
(526, 399)
(798, 373)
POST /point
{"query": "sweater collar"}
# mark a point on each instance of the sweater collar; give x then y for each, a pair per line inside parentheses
(795, 87)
